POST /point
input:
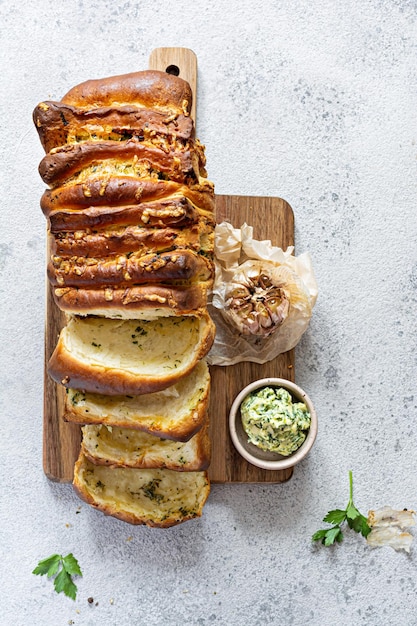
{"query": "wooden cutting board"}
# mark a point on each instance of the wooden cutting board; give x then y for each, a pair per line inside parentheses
(271, 218)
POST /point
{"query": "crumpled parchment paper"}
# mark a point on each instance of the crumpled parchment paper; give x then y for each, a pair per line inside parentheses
(233, 248)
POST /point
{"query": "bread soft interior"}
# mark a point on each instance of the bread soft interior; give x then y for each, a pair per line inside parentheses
(150, 347)
(156, 497)
(123, 447)
(176, 412)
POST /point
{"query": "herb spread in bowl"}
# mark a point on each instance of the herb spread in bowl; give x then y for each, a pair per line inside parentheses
(273, 421)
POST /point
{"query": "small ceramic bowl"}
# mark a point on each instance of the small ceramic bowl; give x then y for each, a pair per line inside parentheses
(262, 458)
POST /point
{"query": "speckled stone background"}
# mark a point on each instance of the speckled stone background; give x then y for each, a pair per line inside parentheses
(313, 101)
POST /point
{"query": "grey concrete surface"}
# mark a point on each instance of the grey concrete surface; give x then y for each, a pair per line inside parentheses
(312, 101)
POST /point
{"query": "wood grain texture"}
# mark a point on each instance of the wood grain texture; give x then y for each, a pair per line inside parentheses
(271, 218)
(166, 59)
(61, 440)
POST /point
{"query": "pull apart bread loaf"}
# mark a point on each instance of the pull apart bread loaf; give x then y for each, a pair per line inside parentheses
(130, 216)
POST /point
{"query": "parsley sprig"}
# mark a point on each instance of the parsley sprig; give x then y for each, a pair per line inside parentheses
(63, 568)
(354, 519)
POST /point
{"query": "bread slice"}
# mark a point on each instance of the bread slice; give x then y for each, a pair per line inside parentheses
(177, 267)
(174, 211)
(59, 124)
(155, 497)
(151, 89)
(129, 239)
(140, 104)
(124, 190)
(176, 413)
(81, 160)
(115, 357)
(123, 447)
(137, 302)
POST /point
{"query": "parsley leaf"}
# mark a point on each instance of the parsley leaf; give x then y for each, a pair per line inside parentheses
(354, 519)
(337, 516)
(48, 566)
(360, 525)
(71, 565)
(320, 534)
(332, 535)
(351, 511)
(67, 565)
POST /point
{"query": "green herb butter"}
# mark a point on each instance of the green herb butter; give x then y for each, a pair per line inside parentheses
(273, 421)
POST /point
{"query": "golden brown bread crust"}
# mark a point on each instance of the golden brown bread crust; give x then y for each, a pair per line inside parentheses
(182, 432)
(90, 483)
(176, 414)
(68, 160)
(128, 239)
(175, 211)
(123, 190)
(133, 301)
(181, 266)
(150, 89)
(122, 240)
(58, 124)
(70, 371)
(141, 459)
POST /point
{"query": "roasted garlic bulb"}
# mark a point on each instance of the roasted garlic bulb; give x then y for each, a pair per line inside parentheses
(256, 303)
(262, 297)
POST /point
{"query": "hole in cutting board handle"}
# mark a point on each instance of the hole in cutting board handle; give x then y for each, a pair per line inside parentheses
(173, 69)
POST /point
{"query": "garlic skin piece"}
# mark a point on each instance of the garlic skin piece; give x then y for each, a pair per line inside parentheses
(388, 528)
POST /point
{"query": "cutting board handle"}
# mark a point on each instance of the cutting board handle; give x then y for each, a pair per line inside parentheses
(181, 62)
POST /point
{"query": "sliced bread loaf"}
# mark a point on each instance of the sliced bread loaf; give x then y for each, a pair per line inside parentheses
(177, 412)
(136, 302)
(155, 497)
(115, 357)
(123, 447)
